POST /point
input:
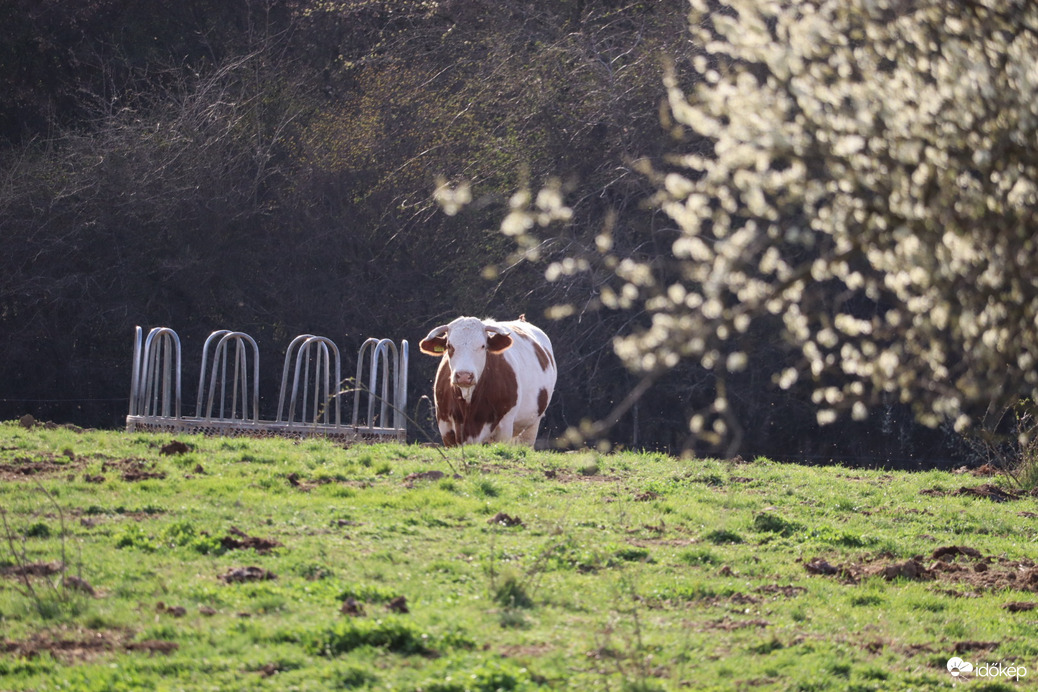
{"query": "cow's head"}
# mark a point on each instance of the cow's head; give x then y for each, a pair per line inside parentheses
(466, 342)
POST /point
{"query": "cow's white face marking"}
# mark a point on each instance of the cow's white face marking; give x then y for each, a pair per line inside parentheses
(466, 341)
(467, 353)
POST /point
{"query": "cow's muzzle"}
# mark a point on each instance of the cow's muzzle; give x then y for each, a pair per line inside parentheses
(464, 379)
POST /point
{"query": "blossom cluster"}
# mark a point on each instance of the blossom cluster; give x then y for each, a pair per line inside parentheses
(859, 183)
(863, 180)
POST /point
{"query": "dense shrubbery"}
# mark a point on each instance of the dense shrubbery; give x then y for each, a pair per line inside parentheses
(276, 177)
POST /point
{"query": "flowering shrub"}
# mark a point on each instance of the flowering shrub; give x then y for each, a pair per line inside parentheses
(857, 180)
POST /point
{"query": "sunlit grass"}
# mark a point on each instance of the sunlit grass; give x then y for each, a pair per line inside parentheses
(487, 567)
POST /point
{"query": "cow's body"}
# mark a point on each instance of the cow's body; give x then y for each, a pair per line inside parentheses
(494, 382)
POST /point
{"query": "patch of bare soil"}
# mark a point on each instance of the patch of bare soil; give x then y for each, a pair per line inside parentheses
(79, 584)
(985, 491)
(352, 607)
(22, 468)
(412, 478)
(175, 447)
(67, 649)
(973, 646)
(173, 611)
(268, 670)
(785, 591)
(959, 565)
(727, 624)
(306, 485)
(43, 570)
(33, 569)
(239, 540)
(762, 594)
(505, 520)
(948, 553)
(68, 462)
(29, 422)
(968, 646)
(134, 470)
(565, 476)
(988, 491)
(911, 569)
(986, 470)
(239, 575)
(81, 645)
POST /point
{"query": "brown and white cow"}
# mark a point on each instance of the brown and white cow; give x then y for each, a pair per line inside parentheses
(494, 382)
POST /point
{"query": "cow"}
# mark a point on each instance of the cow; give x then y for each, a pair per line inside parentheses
(494, 381)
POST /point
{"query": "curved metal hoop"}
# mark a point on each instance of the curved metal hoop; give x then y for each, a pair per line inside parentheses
(239, 376)
(228, 401)
(322, 353)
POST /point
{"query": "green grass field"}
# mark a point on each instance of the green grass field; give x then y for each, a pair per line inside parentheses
(248, 564)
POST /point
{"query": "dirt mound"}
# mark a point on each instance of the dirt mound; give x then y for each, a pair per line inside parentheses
(23, 468)
(33, 569)
(176, 447)
(728, 624)
(239, 540)
(911, 569)
(68, 462)
(240, 575)
(83, 645)
(398, 605)
(785, 591)
(63, 647)
(412, 478)
(352, 607)
(1020, 606)
(134, 471)
(505, 520)
(948, 553)
(959, 565)
(986, 491)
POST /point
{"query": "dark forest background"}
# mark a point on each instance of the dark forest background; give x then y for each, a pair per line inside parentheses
(268, 166)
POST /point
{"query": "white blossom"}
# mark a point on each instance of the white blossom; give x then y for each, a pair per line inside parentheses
(860, 183)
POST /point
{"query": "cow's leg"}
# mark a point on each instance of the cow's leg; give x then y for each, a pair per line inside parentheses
(504, 430)
(528, 434)
(450, 438)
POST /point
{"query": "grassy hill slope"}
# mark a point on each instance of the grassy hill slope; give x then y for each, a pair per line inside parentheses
(129, 563)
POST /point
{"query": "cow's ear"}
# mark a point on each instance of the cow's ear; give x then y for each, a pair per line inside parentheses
(497, 342)
(435, 342)
(435, 346)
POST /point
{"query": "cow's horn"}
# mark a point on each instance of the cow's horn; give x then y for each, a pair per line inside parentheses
(438, 332)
